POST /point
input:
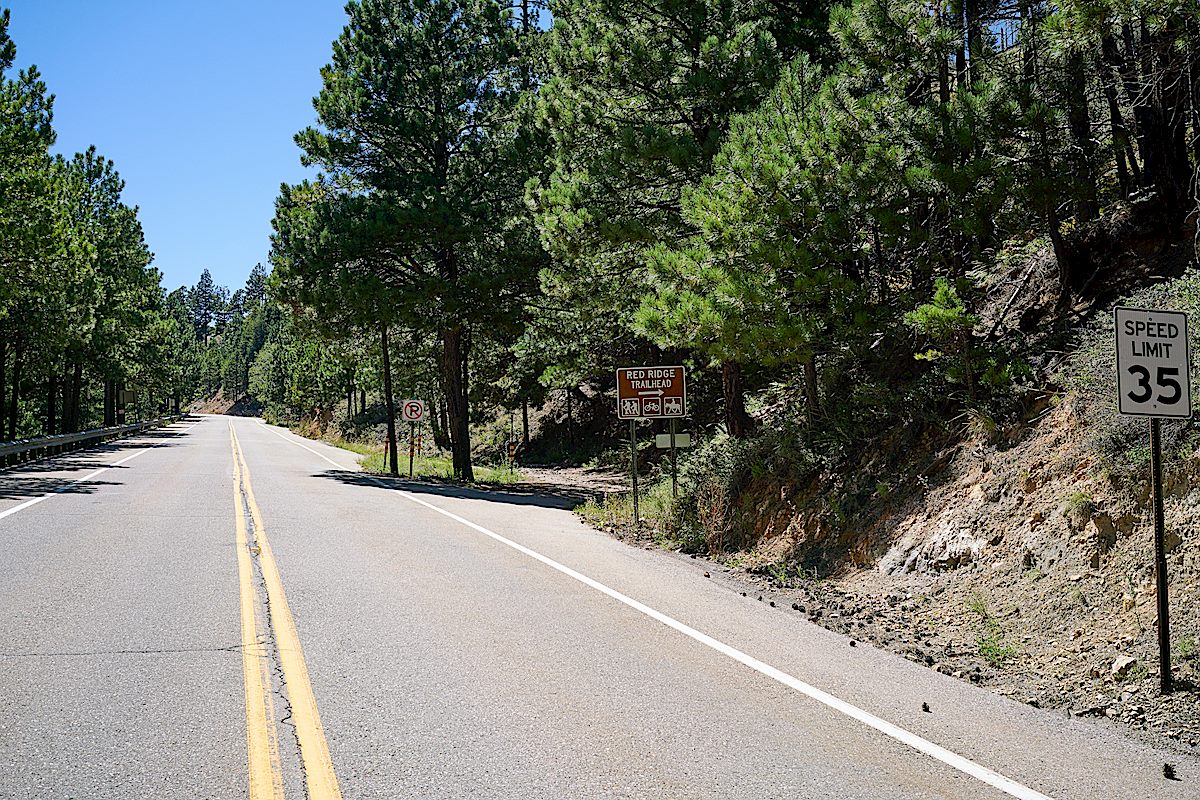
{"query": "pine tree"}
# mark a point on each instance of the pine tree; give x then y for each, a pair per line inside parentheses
(640, 97)
(423, 175)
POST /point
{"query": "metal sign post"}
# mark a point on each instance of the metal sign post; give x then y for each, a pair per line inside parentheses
(1154, 379)
(674, 464)
(673, 441)
(633, 468)
(1160, 559)
(412, 412)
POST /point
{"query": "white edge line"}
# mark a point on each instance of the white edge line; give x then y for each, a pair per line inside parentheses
(918, 743)
(21, 506)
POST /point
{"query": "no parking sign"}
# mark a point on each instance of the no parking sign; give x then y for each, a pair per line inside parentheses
(412, 410)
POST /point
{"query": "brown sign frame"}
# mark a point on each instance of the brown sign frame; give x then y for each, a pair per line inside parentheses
(658, 392)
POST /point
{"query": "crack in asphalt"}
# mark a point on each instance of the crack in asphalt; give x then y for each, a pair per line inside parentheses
(267, 639)
(233, 648)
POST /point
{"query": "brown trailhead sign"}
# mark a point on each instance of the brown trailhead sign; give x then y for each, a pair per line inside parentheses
(651, 392)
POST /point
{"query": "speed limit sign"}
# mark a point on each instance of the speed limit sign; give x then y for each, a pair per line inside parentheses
(1153, 363)
(412, 410)
(1154, 379)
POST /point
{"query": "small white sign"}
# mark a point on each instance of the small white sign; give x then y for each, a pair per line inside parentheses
(1154, 363)
(663, 440)
(412, 410)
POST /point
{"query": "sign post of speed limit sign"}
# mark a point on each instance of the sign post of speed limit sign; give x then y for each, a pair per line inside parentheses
(412, 411)
(1154, 379)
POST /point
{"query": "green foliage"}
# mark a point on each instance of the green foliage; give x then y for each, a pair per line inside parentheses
(638, 102)
(1185, 648)
(414, 220)
(438, 467)
(81, 309)
(707, 514)
(817, 211)
(990, 640)
(658, 513)
(1079, 504)
(945, 319)
(992, 646)
(1120, 442)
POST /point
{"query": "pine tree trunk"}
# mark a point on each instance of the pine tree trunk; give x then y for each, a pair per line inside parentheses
(570, 420)
(737, 421)
(1156, 93)
(1193, 36)
(362, 399)
(388, 404)
(77, 395)
(3, 379)
(525, 424)
(1083, 151)
(1122, 152)
(812, 401)
(975, 38)
(110, 416)
(15, 397)
(1061, 255)
(1164, 125)
(438, 425)
(51, 404)
(454, 379)
(960, 54)
(66, 409)
(74, 388)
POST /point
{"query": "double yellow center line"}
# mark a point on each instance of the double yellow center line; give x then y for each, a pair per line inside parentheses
(262, 744)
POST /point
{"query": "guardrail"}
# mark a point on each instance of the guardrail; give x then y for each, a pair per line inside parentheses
(24, 450)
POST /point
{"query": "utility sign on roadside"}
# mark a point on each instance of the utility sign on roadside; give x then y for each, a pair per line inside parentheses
(1153, 363)
(651, 393)
(412, 410)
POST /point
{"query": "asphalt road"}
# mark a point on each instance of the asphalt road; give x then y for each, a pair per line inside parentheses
(233, 611)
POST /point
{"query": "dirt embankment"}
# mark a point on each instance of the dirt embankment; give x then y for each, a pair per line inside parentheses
(1025, 569)
(1021, 565)
(1019, 555)
(218, 403)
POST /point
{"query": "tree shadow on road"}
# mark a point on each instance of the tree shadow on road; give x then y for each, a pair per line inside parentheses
(23, 487)
(526, 494)
(65, 463)
(93, 456)
(33, 479)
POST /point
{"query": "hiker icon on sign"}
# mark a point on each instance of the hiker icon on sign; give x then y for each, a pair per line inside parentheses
(632, 408)
(674, 407)
(652, 406)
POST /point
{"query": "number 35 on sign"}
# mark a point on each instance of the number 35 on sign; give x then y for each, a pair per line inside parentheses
(1154, 363)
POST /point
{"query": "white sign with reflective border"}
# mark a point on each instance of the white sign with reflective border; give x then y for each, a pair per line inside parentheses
(1154, 363)
(663, 440)
(412, 410)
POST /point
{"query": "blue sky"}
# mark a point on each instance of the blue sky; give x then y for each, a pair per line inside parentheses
(196, 103)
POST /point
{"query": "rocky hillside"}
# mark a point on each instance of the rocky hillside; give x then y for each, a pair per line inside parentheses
(1015, 552)
(1027, 568)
